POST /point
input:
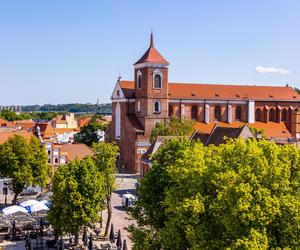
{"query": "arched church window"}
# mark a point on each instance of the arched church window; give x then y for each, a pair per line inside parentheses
(217, 113)
(157, 81)
(284, 115)
(156, 106)
(139, 80)
(194, 112)
(272, 115)
(138, 106)
(238, 113)
(258, 116)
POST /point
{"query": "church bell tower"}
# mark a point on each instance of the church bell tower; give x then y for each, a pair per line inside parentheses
(151, 88)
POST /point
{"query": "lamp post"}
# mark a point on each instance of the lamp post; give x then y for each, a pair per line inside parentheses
(5, 192)
(123, 172)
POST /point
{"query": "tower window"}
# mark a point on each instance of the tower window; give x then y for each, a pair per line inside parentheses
(217, 113)
(156, 107)
(238, 113)
(157, 81)
(139, 80)
(138, 106)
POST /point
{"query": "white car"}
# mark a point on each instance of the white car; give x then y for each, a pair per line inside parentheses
(128, 200)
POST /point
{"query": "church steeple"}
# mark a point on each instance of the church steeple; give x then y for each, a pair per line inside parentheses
(151, 40)
(152, 55)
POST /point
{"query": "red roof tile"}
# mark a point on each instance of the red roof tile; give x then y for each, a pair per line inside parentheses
(271, 129)
(222, 92)
(152, 55)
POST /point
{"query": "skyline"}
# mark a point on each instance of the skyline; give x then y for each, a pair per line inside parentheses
(70, 51)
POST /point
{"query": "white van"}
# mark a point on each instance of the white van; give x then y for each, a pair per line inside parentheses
(128, 200)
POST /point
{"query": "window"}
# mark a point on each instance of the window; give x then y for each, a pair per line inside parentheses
(156, 107)
(217, 113)
(141, 151)
(49, 152)
(138, 106)
(272, 115)
(258, 117)
(284, 115)
(170, 110)
(56, 160)
(194, 112)
(238, 113)
(157, 81)
(118, 92)
(139, 79)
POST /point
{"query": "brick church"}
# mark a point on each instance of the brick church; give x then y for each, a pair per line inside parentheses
(138, 105)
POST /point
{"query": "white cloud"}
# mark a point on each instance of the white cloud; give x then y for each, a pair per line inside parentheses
(270, 70)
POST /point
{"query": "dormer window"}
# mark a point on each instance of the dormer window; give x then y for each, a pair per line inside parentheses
(157, 81)
(139, 79)
(156, 107)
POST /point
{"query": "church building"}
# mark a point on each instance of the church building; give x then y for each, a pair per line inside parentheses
(150, 98)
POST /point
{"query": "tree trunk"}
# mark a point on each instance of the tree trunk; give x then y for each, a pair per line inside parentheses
(76, 239)
(14, 201)
(109, 213)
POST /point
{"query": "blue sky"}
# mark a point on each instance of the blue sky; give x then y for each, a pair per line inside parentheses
(62, 51)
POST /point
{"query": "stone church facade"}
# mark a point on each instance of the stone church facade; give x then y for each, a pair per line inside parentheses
(138, 105)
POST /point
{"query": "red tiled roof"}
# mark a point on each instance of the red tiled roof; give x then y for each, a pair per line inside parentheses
(76, 151)
(222, 92)
(271, 129)
(4, 136)
(152, 55)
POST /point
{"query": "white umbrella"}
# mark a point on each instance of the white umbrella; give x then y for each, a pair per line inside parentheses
(47, 203)
(14, 209)
(36, 207)
(28, 203)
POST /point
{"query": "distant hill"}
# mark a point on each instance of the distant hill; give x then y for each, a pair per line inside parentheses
(104, 108)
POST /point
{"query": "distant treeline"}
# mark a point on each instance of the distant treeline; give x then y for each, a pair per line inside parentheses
(72, 107)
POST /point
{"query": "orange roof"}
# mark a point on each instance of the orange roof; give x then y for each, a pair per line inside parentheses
(4, 136)
(82, 121)
(47, 130)
(25, 124)
(152, 55)
(5, 123)
(222, 91)
(65, 130)
(76, 151)
(271, 129)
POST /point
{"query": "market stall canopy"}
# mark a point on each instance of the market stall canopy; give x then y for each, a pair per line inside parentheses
(13, 209)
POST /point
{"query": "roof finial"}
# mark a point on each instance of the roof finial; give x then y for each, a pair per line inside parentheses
(119, 76)
(151, 39)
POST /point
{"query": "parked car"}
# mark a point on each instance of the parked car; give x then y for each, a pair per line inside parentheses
(29, 191)
(128, 200)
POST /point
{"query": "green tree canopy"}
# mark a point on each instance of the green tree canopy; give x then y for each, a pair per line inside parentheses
(24, 163)
(88, 133)
(105, 156)
(176, 127)
(239, 195)
(77, 196)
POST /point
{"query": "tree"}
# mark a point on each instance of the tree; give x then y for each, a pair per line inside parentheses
(77, 196)
(88, 133)
(175, 127)
(239, 195)
(24, 163)
(105, 156)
